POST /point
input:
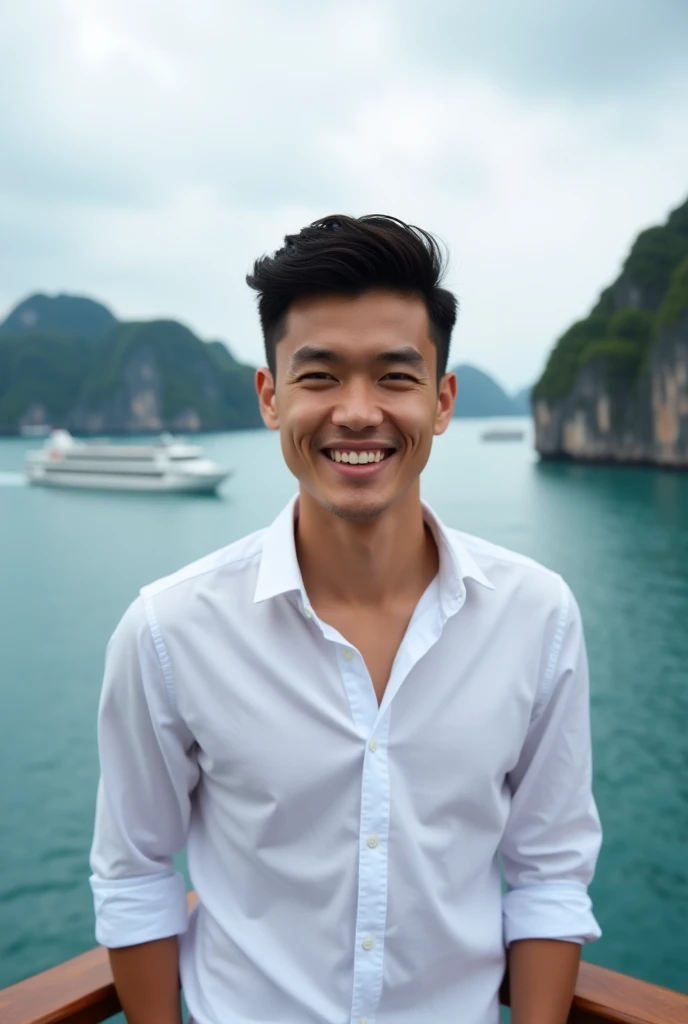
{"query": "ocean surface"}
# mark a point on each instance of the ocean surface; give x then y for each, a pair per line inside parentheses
(71, 561)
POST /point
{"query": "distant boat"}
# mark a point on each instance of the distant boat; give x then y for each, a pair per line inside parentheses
(168, 465)
(35, 430)
(502, 435)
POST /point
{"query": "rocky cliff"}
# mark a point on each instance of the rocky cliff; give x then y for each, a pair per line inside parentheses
(615, 387)
(67, 362)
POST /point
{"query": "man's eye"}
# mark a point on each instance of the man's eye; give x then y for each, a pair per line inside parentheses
(316, 375)
(398, 376)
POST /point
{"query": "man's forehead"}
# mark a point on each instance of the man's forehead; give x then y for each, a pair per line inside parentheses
(373, 302)
(372, 318)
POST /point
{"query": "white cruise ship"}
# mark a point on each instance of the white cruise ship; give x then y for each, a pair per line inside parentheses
(168, 465)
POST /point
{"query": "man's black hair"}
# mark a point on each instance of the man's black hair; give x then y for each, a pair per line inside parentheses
(340, 255)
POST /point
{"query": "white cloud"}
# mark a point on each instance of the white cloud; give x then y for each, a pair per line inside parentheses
(154, 152)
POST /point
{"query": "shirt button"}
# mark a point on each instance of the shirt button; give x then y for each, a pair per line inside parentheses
(347, 654)
(372, 746)
(362, 1020)
(369, 943)
(372, 841)
(308, 613)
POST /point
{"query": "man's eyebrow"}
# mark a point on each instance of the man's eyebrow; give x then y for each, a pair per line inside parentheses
(407, 355)
(312, 354)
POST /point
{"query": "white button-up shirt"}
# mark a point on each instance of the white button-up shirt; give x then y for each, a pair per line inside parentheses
(346, 855)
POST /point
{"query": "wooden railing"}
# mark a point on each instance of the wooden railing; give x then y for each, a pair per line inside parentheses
(81, 991)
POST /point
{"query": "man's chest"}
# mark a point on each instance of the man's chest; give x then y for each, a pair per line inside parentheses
(278, 723)
(376, 637)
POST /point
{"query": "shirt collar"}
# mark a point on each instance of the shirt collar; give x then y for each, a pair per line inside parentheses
(457, 564)
(279, 571)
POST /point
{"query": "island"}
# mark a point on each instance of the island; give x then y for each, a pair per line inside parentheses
(66, 361)
(615, 387)
(479, 395)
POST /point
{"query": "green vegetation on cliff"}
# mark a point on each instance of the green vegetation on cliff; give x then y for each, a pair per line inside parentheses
(655, 255)
(675, 302)
(623, 351)
(650, 294)
(565, 361)
(41, 369)
(85, 370)
(66, 314)
(185, 373)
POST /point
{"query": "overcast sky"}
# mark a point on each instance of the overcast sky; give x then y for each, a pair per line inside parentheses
(149, 151)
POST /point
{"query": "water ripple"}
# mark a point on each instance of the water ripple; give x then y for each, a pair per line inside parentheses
(19, 892)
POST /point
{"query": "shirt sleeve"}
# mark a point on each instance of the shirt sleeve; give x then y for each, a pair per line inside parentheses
(553, 835)
(148, 770)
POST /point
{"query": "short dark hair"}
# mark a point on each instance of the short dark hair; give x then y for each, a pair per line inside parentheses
(340, 255)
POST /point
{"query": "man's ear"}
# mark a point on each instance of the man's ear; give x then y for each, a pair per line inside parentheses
(265, 389)
(446, 398)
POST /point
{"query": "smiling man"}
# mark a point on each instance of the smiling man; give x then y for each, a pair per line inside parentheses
(356, 719)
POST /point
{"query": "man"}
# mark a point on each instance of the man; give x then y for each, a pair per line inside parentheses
(353, 718)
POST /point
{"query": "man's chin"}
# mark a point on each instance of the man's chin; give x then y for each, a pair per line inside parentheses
(357, 508)
(357, 504)
(357, 513)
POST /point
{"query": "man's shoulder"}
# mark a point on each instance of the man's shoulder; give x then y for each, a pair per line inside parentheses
(226, 564)
(177, 604)
(507, 568)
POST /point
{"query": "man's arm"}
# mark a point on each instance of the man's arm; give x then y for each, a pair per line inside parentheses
(147, 981)
(542, 980)
(148, 770)
(552, 839)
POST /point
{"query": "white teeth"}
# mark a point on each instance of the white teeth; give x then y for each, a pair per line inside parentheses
(356, 458)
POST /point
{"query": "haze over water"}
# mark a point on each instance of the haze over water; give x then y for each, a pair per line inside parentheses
(70, 563)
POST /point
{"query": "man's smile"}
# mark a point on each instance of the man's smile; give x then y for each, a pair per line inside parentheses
(366, 464)
(358, 459)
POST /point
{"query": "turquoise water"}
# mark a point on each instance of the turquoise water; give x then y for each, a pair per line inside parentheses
(70, 562)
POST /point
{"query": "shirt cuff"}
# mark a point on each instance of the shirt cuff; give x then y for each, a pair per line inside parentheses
(134, 910)
(549, 910)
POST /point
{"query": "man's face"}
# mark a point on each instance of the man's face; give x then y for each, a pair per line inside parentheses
(355, 399)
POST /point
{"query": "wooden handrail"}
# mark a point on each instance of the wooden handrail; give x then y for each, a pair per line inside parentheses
(81, 991)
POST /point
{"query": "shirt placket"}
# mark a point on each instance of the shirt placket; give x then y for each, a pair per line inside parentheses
(373, 839)
(373, 724)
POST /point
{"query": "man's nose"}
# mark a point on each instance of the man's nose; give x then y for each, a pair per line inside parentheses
(357, 407)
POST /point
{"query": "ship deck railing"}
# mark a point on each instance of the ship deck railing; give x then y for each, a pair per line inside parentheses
(81, 991)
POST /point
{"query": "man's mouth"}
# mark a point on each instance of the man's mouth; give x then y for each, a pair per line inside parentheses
(357, 457)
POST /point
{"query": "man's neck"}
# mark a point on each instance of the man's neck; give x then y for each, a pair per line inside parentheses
(374, 562)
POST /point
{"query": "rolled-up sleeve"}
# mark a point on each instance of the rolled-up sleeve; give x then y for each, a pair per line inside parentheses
(553, 835)
(148, 771)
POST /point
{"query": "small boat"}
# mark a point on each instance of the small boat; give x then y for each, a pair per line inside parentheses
(502, 435)
(168, 465)
(35, 430)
